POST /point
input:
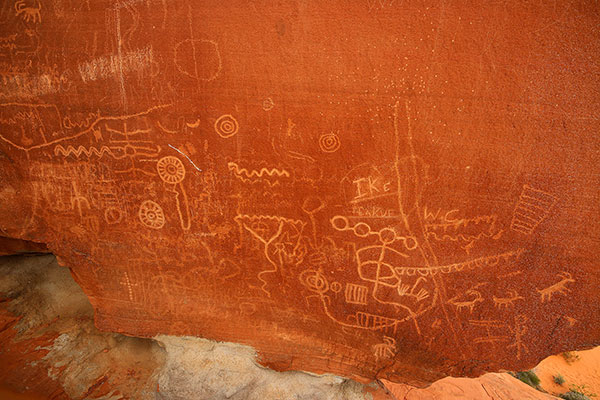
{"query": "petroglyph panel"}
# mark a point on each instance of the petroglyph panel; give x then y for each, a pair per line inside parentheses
(376, 189)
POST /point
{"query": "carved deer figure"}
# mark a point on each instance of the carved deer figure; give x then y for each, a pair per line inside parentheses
(28, 13)
(507, 301)
(558, 287)
(470, 304)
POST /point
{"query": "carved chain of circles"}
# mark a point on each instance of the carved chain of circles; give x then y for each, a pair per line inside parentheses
(385, 235)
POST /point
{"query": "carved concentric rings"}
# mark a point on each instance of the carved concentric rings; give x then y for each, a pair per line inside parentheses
(329, 142)
(151, 214)
(226, 126)
(170, 169)
(314, 281)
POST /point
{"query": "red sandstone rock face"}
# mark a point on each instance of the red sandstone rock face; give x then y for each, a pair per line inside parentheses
(369, 188)
(10, 246)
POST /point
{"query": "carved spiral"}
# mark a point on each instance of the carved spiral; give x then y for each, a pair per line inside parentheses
(170, 169)
(226, 126)
(314, 281)
(329, 142)
(151, 214)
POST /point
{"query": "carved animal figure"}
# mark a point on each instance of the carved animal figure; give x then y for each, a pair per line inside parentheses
(558, 287)
(29, 14)
(387, 349)
(507, 301)
(470, 304)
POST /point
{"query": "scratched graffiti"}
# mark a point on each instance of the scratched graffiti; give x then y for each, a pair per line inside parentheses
(265, 180)
(386, 235)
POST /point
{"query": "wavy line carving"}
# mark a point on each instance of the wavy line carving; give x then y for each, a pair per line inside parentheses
(273, 172)
(77, 152)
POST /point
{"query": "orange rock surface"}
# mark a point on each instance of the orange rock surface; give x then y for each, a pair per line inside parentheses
(489, 386)
(581, 372)
(377, 189)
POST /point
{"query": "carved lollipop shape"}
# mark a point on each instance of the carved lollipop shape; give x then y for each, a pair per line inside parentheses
(171, 171)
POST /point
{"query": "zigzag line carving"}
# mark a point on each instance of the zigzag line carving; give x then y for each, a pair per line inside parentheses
(77, 152)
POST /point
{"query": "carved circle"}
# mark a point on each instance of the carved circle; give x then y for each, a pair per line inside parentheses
(170, 169)
(387, 235)
(268, 104)
(410, 242)
(336, 287)
(198, 59)
(339, 222)
(329, 142)
(151, 214)
(226, 126)
(362, 230)
(314, 281)
(112, 215)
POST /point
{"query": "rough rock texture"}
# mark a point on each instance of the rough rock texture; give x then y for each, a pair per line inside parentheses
(378, 189)
(49, 345)
(487, 387)
(202, 369)
(50, 348)
(10, 246)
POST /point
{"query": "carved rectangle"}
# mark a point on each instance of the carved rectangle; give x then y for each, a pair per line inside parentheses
(355, 294)
(531, 209)
(376, 322)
